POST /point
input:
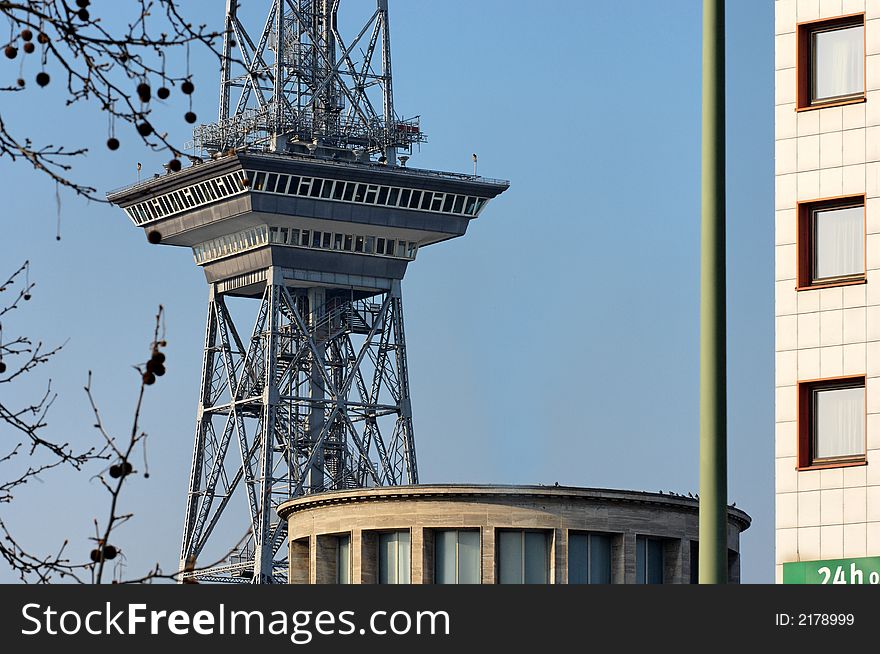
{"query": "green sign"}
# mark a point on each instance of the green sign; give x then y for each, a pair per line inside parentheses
(834, 571)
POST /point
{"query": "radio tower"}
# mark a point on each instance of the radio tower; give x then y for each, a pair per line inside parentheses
(302, 201)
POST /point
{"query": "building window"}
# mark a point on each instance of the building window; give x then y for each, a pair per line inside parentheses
(523, 557)
(343, 559)
(589, 558)
(649, 560)
(831, 61)
(831, 242)
(831, 422)
(457, 556)
(394, 557)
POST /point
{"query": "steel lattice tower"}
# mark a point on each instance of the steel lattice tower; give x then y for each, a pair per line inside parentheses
(302, 203)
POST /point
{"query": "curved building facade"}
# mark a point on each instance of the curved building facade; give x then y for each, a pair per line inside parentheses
(496, 535)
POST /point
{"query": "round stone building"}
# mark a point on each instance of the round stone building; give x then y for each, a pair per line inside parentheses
(447, 534)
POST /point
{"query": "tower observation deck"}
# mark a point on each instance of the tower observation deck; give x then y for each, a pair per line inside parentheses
(302, 201)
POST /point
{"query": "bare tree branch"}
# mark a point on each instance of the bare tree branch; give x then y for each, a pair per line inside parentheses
(114, 69)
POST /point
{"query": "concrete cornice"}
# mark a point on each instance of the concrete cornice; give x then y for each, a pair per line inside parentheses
(453, 492)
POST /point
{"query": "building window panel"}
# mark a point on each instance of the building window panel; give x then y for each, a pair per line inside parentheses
(360, 192)
(839, 242)
(838, 63)
(831, 422)
(372, 191)
(523, 557)
(437, 202)
(831, 242)
(831, 61)
(589, 558)
(457, 556)
(271, 182)
(649, 560)
(208, 191)
(316, 188)
(343, 559)
(394, 557)
(338, 190)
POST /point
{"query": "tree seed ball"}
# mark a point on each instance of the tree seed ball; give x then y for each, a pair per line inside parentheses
(143, 91)
(115, 471)
(154, 237)
(127, 467)
(2, 367)
(190, 117)
(26, 296)
(20, 81)
(29, 47)
(144, 129)
(187, 87)
(158, 357)
(95, 555)
(82, 4)
(83, 14)
(149, 379)
(163, 92)
(26, 34)
(42, 38)
(160, 370)
(11, 51)
(110, 552)
(42, 78)
(174, 165)
(113, 143)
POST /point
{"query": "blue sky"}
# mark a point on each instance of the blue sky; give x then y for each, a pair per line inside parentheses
(557, 341)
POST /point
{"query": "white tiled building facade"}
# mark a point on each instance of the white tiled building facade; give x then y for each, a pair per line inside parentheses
(827, 97)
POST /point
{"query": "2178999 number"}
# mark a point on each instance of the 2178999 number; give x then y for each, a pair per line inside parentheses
(826, 619)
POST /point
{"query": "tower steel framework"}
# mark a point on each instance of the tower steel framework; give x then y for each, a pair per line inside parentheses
(303, 204)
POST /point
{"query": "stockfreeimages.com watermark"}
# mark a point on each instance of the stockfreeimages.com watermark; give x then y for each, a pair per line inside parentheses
(299, 626)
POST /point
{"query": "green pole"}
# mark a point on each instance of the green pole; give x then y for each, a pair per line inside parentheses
(713, 333)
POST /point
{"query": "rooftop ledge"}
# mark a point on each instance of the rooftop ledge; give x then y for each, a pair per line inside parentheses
(454, 491)
(418, 173)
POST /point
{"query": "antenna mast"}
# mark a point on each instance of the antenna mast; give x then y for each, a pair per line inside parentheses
(320, 91)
